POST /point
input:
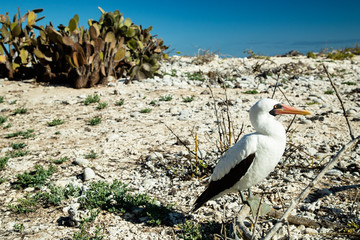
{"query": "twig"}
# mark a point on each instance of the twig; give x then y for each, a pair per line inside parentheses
(257, 217)
(341, 102)
(306, 191)
(217, 118)
(239, 223)
(178, 138)
(287, 222)
(288, 128)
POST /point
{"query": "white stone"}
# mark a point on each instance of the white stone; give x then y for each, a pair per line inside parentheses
(88, 174)
(81, 162)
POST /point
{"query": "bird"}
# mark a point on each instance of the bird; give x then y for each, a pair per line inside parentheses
(254, 156)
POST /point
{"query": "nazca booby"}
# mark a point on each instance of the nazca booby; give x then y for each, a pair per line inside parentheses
(254, 156)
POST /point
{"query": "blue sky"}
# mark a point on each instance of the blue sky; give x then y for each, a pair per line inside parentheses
(224, 26)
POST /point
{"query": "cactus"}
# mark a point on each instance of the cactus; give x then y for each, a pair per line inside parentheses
(113, 46)
(19, 41)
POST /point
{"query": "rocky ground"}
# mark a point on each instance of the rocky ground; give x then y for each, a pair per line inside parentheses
(142, 149)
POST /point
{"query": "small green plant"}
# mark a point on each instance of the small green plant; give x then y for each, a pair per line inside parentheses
(2, 180)
(120, 102)
(117, 197)
(60, 160)
(27, 134)
(2, 119)
(83, 234)
(35, 178)
(198, 76)
(349, 83)
(20, 111)
(3, 162)
(101, 105)
(19, 227)
(55, 122)
(7, 126)
(152, 103)
(166, 98)
(310, 103)
(91, 155)
(173, 73)
(340, 55)
(18, 145)
(26, 204)
(1, 99)
(95, 121)
(145, 110)
(251, 92)
(12, 102)
(18, 153)
(329, 92)
(57, 133)
(58, 194)
(188, 99)
(311, 55)
(189, 231)
(92, 99)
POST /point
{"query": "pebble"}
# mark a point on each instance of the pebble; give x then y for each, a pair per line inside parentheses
(88, 174)
(81, 162)
(334, 172)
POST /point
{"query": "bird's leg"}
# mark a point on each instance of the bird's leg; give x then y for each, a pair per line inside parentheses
(250, 193)
(242, 197)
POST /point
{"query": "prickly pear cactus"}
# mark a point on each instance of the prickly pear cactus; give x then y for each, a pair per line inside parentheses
(113, 46)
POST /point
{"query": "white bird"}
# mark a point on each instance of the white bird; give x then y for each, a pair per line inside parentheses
(252, 158)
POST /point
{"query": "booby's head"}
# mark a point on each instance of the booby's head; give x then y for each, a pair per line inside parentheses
(263, 112)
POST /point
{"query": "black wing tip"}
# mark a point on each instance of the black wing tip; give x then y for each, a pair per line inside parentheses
(201, 200)
(196, 206)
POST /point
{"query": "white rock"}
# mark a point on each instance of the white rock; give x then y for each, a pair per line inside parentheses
(81, 162)
(155, 156)
(113, 137)
(334, 172)
(88, 174)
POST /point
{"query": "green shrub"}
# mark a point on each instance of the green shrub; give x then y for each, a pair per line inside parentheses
(60, 160)
(20, 111)
(18, 145)
(101, 106)
(95, 121)
(145, 110)
(92, 99)
(27, 134)
(35, 178)
(120, 102)
(251, 92)
(2, 119)
(311, 55)
(55, 122)
(3, 162)
(340, 55)
(188, 99)
(91, 155)
(166, 98)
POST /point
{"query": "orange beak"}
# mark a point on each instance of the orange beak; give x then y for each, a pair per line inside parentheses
(290, 110)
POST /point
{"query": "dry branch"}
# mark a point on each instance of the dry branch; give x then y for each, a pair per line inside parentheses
(341, 102)
(350, 145)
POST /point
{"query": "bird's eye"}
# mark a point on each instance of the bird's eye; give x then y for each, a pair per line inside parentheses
(275, 106)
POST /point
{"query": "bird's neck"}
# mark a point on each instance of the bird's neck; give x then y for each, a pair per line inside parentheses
(269, 126)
